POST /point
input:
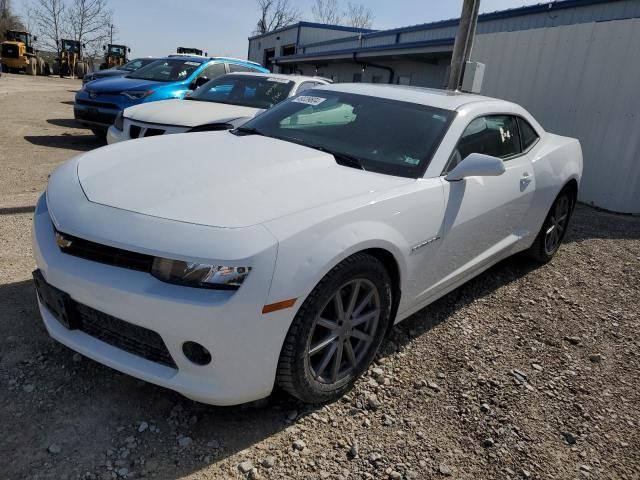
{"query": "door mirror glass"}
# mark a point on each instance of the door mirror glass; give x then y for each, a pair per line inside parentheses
(477, 165)
(198, 82)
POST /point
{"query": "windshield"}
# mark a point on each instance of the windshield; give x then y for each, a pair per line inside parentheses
(169, 70)
(70, 47)
(17, 37)
(117, 50)
(136, 64)
(380, 135)
(245, 90)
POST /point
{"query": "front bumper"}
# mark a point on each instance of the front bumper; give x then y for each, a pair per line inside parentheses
(244, 343)
(94, 116)
(135, 129)
(18, 63)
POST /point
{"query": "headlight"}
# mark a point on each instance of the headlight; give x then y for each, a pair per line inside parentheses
(137, 94)
(199, 274)
(119, 121)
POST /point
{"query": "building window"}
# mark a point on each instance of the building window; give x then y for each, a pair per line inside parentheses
(404, 80)
(357, 77)
(268, 57)
(288, 50)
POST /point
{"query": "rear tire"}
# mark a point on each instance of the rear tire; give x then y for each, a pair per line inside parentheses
(32, 68)
(41, 67)
(554, 228)
(81, 70)
(337, 331)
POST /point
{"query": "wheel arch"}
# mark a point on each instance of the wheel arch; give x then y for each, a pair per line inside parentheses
(391, 265)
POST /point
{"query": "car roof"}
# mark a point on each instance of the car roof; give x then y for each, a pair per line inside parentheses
(445, 99)
(282, 76)
(180, 56)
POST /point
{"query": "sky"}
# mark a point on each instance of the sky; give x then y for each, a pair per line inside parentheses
(221, 27)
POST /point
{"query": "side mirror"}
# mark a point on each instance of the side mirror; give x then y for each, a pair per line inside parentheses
(476, 165)
(198, 82)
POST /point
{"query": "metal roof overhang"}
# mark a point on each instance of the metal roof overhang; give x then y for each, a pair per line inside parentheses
(425, 51)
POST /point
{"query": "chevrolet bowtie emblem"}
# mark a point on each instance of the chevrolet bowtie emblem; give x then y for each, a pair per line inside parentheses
(62, 241)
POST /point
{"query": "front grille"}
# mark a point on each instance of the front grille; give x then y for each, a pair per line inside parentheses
(152, 132)
(94, 116)
(131, 338)
(97, 252)
(134, 131)
(91, 103)
(137, 340)
(10, 51)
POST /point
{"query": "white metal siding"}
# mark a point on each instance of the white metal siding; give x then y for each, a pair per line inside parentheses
(582, 81)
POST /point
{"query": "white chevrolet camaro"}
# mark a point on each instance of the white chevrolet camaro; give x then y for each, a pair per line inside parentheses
(223, 103)
(220, 264)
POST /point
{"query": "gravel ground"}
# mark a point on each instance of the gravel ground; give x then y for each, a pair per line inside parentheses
(525, 372)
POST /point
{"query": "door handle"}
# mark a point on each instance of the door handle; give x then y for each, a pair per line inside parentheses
(525, 180)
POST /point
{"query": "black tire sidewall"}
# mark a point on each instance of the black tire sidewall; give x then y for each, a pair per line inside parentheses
(538, 250)
(360, 266)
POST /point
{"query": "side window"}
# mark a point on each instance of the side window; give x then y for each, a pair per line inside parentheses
(528, 135)
(213, 71)
(239, 68)
(495, 135)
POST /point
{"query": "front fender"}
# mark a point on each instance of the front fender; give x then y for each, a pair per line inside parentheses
(299, 270)
(309, 248)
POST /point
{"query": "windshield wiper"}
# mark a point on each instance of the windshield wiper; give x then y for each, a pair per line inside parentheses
(247, 131)
(341, 158)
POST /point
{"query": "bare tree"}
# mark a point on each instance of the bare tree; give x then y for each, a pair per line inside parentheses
(275, 14)
(47, 18)
(359, 16)
(327, 11)
(88, 22)
(8, 21)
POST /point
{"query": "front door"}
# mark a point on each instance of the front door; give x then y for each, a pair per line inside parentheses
(484, 216)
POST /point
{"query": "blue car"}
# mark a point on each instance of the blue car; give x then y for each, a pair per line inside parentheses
(120, 71)
(99, 102)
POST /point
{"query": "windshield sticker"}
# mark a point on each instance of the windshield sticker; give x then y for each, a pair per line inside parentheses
(314, 101)
(193, 64)
(411, 160)
(278, 80)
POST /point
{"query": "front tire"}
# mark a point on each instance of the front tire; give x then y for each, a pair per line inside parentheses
(554, 227)
(337, 331)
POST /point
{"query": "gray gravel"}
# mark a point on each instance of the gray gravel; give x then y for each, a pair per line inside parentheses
(525, 372)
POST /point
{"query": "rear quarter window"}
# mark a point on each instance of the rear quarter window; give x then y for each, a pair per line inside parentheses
(528, 135)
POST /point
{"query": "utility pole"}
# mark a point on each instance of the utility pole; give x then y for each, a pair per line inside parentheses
(111, 27)
(464, 42)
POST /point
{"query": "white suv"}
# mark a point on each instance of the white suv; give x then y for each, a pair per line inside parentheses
(220, 104)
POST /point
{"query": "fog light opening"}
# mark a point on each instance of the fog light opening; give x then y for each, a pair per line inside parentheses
(196, 353)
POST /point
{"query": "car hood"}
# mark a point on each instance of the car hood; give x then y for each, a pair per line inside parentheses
(220, 179)
(110, 73)
(121, 84)
(188, 113)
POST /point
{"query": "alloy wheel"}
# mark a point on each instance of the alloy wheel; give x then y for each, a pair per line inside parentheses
(557, 225)
(344, 331)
